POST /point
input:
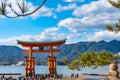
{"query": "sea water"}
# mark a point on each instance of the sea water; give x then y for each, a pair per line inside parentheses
(60, 70)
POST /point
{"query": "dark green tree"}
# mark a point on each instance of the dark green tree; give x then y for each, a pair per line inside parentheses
(115, 3)
(91, 59)
(116, 28)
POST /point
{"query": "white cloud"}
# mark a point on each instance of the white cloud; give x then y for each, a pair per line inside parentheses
(63, 8)
(96, 7)
(91, 16)
(53, 29)
(77, 24)
(49, 34)
(73, 37)
(13, 40)
(43, 11)
(103, 35)
(73, 0)
(52, 34)
(71, 23)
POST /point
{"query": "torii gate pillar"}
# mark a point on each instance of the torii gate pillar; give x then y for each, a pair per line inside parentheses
(51, 62)
(30, 64)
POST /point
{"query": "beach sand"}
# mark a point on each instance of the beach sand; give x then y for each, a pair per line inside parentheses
(74, 79)
(69, 79)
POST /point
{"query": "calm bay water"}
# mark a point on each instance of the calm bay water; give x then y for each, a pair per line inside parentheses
(60, 69)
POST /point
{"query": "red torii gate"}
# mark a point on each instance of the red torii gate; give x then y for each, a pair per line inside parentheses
(30, 63)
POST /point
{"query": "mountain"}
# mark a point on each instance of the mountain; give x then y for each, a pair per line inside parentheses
(10, 54)
(71, 50)
(14, 54)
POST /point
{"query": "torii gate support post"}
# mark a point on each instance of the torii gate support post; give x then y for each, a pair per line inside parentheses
(51, 65)
(29, 70)
(51, 62)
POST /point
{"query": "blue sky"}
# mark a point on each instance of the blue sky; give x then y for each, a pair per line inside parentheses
(75, 20)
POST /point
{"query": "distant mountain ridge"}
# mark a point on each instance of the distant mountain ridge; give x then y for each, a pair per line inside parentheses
(71, 50)
(10, 54)
(13, 54)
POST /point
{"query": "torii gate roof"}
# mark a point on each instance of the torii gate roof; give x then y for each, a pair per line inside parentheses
(42, 44)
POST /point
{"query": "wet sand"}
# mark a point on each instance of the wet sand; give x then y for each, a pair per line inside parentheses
(74, 79)
(69, 79)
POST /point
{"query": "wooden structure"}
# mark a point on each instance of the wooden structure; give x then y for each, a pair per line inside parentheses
(30, 61)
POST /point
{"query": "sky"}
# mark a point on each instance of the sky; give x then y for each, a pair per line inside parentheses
(73, 20)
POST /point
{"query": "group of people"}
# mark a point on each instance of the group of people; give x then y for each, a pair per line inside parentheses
(35, 77)
(42, 77)
(7, 78)
(39, 77)
(74, 75)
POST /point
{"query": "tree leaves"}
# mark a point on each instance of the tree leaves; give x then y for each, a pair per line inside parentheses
(115, 3)
(115, 28)
(109, 27)
(91, 59)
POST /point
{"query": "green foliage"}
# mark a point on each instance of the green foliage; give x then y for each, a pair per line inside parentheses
(109, 27)
(87, 59)
(91, 59)
(73, 65)
(115, 28)
(115, 3)
(65, 61)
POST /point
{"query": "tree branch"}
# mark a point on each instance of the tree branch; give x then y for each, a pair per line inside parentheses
(23, 9)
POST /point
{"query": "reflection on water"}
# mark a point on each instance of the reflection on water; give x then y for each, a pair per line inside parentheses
(60, 69)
